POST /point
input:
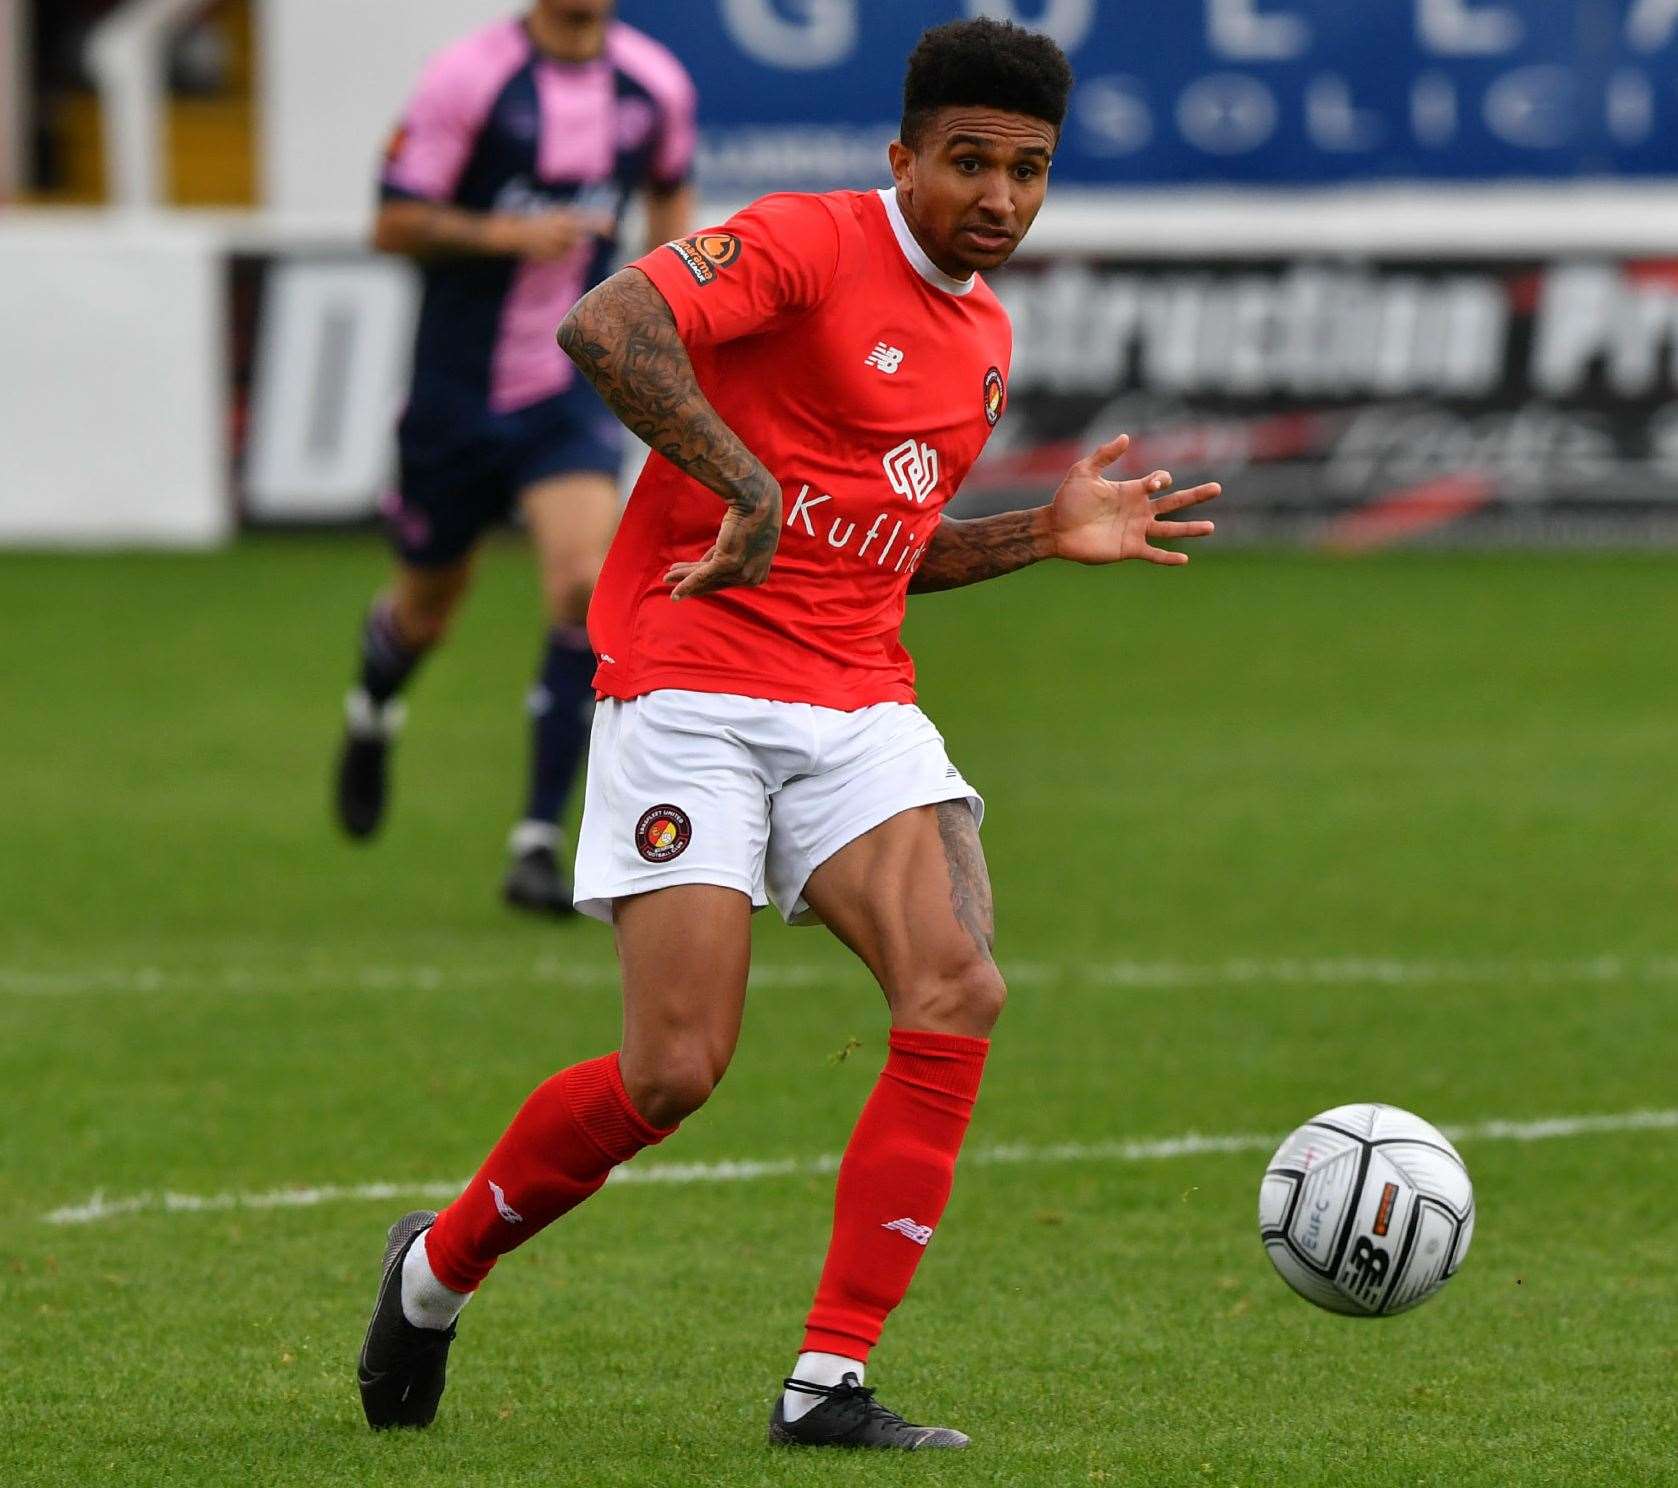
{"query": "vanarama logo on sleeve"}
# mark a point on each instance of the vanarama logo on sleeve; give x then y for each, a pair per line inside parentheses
(704, 254)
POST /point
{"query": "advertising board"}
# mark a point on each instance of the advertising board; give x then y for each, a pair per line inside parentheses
(804, 94)
(1357, 402)
(1341, 400)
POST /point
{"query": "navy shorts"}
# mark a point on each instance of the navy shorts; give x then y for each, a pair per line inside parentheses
(460, 473)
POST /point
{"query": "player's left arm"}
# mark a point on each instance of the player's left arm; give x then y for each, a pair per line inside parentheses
(1091, 520)
(669, 215)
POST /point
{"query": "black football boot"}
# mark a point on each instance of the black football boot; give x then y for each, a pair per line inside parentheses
(850, 1416)
(362, 783)
(401, 1367)
(536, 882)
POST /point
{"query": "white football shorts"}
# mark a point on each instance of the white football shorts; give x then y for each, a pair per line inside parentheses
(714, 788)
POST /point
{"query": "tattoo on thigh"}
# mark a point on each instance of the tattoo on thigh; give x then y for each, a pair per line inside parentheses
(970, 894)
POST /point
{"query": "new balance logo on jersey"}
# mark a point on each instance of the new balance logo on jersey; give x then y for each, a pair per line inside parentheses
(887, 358)
(912, 469)
(502, 1207)
(919, 1233)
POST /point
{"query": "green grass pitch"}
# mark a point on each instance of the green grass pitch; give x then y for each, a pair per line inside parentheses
(1267, 835)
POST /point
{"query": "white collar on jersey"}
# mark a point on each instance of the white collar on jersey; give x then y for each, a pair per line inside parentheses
(916, 254)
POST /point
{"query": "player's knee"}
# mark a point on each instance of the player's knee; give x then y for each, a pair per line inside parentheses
(984, 993)
(964, 995)
(672, 1087)
(566, 595)
(424, 619)
(424, 628)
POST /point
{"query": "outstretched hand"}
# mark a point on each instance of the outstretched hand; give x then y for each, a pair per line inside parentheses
(1095, 520)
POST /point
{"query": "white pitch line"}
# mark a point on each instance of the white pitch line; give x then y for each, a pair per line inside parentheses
(1238, 971)
(1190, 1144)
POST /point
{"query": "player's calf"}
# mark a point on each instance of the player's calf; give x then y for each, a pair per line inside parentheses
(392, 646)
(567, 1137)
(894, 1182)
(561, 707)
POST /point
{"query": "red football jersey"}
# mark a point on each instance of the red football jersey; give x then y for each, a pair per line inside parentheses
(867, 381)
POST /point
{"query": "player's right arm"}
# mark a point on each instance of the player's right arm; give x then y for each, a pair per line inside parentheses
(630, 337)
(425, 230)
(622, 336)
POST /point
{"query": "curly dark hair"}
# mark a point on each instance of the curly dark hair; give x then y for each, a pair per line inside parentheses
(992, 64)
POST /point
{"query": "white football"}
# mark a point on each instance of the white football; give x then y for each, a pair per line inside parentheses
(1366, 1210)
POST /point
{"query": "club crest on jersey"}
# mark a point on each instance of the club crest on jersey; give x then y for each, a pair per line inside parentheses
(912, 469)
(993, 396)
(663, 833)
(704, 255)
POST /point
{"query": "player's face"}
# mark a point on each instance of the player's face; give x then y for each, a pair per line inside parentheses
(973, 183)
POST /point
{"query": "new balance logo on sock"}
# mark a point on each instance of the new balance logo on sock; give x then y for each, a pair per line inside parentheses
(506, 1210)
(919, 1233)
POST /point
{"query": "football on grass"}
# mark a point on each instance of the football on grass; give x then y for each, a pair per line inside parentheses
(1366, 1210)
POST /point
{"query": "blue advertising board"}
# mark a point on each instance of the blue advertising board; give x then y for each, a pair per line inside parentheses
(806, 93)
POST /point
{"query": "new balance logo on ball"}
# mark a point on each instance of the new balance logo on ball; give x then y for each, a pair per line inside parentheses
(919, 1233)
(912, 469)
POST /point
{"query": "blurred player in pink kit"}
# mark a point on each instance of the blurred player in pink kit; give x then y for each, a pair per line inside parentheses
(507, 181)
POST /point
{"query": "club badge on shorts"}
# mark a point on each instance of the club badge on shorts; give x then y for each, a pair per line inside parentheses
(663, 833)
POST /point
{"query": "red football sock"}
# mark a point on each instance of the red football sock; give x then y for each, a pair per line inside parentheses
(893, 1184)
(571, 1132)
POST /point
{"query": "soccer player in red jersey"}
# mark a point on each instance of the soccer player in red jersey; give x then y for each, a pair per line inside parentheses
(829, 367)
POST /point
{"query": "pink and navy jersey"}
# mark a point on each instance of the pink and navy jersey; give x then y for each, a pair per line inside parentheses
(498, 126)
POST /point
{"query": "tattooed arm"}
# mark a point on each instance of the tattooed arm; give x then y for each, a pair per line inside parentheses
(1091, 520)
(963, 553)
(622, 336)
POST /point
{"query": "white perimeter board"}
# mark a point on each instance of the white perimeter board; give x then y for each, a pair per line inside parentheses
(113, 398)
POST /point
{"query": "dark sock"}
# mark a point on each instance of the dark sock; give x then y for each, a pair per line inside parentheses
(560, 704)
(386, 660)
